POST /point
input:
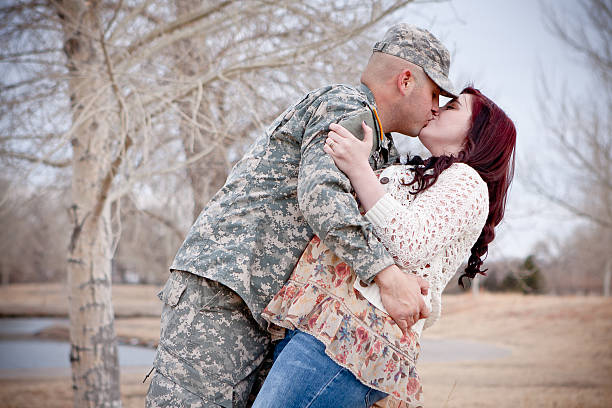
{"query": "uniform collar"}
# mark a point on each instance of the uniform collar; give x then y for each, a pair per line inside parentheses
(363, 88)
(383, 143)
(372, 105)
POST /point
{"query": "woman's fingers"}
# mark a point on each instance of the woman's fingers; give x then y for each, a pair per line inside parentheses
(345, 133)
(367, 133)
(341, 144)
(335, 137)
(330, 142)
(340, 130)
(336, 143)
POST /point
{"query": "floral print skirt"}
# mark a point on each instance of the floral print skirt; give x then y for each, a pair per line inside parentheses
(319, 299)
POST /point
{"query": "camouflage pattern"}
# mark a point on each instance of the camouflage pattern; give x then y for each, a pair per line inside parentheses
(210, 348)
(282, 192)
(420, 47)
(246, 242)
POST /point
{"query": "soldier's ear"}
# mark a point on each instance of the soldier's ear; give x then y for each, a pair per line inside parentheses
(405, 81)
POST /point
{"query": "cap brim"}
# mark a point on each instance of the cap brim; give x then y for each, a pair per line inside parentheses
(446, 86)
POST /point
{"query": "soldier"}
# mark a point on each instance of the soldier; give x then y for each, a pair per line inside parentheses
(245, 243)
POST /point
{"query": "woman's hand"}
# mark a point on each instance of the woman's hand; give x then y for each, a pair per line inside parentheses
(349, 153)
(351, 156)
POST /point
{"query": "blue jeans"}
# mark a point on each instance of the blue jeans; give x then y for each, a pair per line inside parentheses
(303, 376)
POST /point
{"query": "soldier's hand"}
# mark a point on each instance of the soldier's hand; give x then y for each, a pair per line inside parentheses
(401, 295)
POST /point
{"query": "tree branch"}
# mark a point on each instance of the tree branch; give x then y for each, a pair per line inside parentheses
(178, 24)
(34, 159)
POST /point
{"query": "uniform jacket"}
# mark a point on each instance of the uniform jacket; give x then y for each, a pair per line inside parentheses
(283, 191)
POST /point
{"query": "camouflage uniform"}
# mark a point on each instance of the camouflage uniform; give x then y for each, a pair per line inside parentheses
(210, 346)
(245, 243)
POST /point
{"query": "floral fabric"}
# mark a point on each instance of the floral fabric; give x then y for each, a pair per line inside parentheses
(428, 234)
(319, 299)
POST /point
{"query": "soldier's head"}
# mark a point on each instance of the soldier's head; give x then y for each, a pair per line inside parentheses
(407, 72)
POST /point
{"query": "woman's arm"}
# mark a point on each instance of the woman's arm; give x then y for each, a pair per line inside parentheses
(351, 156)
(414, 233)
(398, 291)
(454, 208)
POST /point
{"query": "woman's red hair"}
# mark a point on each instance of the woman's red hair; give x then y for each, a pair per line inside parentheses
(489, 150)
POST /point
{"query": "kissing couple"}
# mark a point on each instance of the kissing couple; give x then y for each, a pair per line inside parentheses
(308, 278)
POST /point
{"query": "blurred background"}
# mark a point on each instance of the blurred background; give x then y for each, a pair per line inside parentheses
(120, 119)
(191, 106)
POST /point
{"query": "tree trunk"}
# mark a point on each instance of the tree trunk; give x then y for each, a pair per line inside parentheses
(607, 276)
(5, 274)
(207, 176)
(93, 354)
(475, 286)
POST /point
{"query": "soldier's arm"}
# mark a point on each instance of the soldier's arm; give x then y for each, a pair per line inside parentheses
(399, 292)
(325, 199)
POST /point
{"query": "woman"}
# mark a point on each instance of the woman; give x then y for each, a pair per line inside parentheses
(344, 350)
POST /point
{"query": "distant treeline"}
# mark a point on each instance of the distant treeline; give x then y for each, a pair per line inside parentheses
(36, 228)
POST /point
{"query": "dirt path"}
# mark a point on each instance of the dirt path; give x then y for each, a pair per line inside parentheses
(561, 351)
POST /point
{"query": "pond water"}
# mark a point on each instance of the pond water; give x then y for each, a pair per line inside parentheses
(28, 354)
(451, 350)
(16, 354)
(28, 325)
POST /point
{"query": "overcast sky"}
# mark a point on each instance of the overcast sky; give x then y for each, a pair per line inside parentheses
(502, 46)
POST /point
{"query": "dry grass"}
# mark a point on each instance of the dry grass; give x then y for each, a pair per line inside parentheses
(52, 300)
(56, 392)
(561, 352)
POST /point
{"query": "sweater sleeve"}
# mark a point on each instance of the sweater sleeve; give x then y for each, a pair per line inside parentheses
(420, 230)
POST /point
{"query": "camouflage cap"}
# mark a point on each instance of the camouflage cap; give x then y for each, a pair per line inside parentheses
(420, 47)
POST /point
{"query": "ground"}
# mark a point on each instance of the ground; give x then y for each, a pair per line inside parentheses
(561, 349)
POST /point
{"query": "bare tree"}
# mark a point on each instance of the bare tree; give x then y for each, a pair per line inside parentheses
(580, 131)
(29, 218)
(125, 94)
(581, 128)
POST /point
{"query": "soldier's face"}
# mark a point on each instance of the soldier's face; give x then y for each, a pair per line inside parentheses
(447, 131)
(419, 106)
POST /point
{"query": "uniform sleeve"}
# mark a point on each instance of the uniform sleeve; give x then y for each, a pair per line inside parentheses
(324, 194)
(417, 232)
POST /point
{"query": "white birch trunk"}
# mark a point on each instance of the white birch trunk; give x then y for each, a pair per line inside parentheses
(606, 279)
(93, 353)
(475, 286)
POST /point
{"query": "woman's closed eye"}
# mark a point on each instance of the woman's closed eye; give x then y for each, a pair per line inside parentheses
(452, 104)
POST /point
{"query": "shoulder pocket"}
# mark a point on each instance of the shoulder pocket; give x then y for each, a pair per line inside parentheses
(353, 124)
(172, 291)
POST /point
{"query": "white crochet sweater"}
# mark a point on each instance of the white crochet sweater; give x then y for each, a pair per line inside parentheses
(429, 234)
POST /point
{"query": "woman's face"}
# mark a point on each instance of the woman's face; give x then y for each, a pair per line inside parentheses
(446, 133)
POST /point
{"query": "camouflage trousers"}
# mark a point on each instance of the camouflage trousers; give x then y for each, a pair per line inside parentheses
(211, 352)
